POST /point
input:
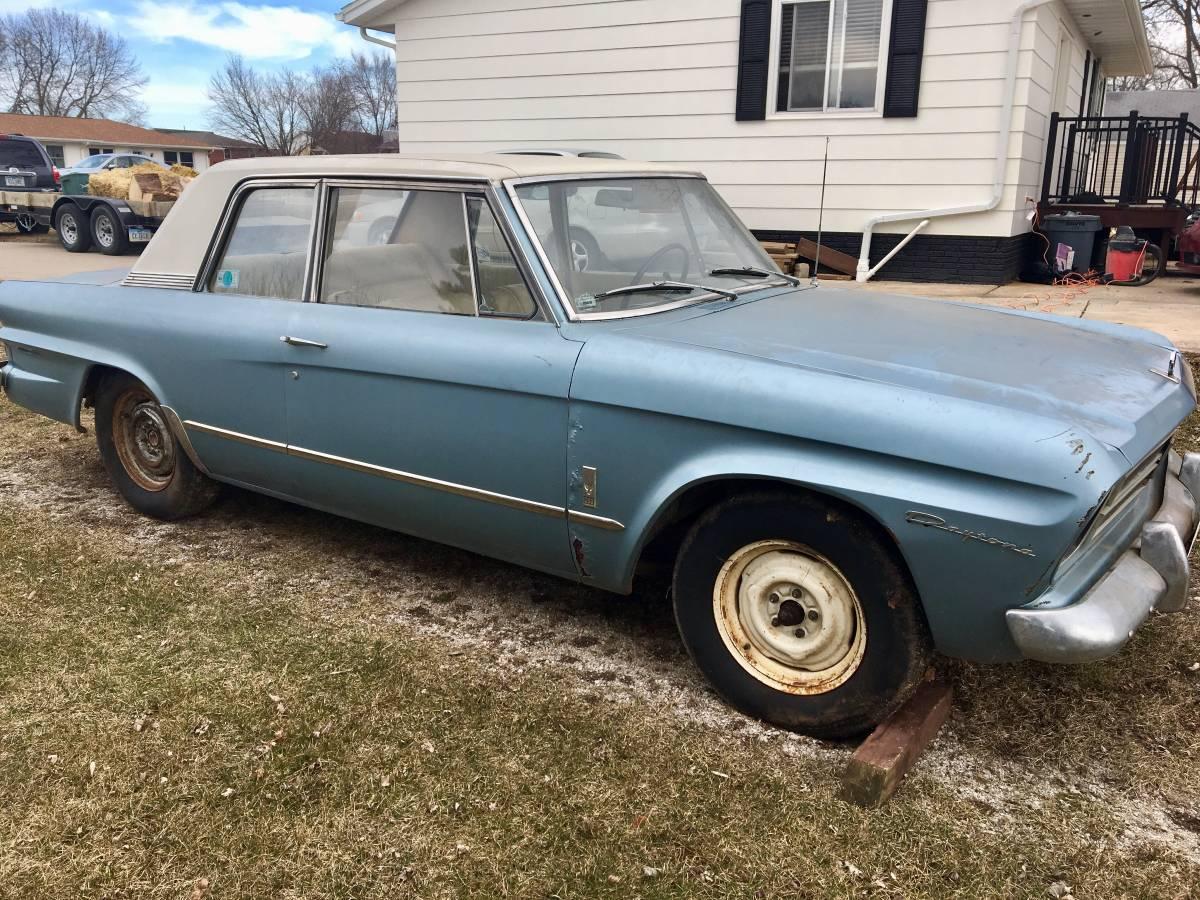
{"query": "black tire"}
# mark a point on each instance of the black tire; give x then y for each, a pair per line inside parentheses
(884, 662)
(26, 224)
(167, 487)
(74, 229)
(108, 232)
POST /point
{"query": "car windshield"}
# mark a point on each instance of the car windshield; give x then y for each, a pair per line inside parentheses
(601, 235)
(93, 162)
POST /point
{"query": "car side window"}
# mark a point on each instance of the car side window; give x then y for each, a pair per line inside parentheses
(397, 249)
(265, 253)
(502, 289)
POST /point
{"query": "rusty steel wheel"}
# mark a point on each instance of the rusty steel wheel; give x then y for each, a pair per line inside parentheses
(143, 456)
(143, 440)
(789, 617)
(800, 611)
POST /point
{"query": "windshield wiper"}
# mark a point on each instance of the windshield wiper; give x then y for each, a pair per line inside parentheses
(755, 272)
(670, 286)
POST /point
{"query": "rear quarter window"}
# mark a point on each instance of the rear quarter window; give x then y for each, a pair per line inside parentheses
(21, 154)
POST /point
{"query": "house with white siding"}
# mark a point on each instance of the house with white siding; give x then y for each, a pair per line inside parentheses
(936, 111)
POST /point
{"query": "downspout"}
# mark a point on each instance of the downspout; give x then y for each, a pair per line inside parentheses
(864, 271)
(362, 32)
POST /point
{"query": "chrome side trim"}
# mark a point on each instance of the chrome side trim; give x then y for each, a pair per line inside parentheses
(168, 280)
(449, 487)
(181, 435)
(237, 436)
(583, 518)
(437, 484)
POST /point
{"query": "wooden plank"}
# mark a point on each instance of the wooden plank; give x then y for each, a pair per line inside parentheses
(834, 259)
(880, 764)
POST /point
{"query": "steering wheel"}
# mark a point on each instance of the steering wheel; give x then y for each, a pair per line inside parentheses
(663, 251)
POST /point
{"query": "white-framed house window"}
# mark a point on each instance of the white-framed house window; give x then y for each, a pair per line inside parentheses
(829, 55)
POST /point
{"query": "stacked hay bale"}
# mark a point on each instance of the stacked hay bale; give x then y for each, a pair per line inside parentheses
(148, 181)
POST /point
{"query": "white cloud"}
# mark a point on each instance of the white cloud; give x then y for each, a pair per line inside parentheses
(255, 32)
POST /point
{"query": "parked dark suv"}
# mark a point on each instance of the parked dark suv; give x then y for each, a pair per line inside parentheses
(25, 166)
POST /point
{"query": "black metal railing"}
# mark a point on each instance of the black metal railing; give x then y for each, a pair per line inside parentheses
(1127, 160)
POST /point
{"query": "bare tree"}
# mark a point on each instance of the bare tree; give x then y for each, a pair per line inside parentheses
(56, 63)
(262, 109)
(328, 105)
(373, 80)
(1173, 27)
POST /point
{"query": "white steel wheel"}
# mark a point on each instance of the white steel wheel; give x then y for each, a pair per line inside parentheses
(789, 617)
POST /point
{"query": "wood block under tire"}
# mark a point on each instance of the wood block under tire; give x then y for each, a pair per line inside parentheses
(881, 762)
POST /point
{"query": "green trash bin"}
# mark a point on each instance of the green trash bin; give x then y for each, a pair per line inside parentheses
(75, 183)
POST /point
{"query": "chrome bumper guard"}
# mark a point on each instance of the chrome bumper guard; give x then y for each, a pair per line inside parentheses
(1152, 574)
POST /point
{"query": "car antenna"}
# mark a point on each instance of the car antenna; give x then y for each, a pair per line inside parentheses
(821, 213)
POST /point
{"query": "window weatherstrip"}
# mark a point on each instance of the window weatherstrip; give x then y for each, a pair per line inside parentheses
(437, 484)
(472, 262)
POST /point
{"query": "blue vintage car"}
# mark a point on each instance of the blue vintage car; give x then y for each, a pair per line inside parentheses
(842, 483)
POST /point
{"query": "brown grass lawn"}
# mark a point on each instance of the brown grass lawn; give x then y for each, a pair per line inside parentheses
(269, 702)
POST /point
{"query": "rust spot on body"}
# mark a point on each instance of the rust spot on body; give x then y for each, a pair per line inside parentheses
(580, 556)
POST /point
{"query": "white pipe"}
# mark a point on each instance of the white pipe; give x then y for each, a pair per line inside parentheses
(864, 270)
(374, 40)
(900, 246)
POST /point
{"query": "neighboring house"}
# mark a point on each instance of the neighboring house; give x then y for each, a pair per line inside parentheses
(930, 106)
(351, 142)
(223, 147)
(68, 139)
(1154, 103)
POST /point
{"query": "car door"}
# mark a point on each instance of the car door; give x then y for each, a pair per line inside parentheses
(227, 375)
(426, 391)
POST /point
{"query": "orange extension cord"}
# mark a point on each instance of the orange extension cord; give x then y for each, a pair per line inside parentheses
(1072, 286)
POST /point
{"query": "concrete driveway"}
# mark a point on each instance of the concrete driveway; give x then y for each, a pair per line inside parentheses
(1170, 305)
(41, 258)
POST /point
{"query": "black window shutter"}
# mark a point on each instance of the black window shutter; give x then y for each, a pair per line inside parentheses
(904, 59)
(754, 52)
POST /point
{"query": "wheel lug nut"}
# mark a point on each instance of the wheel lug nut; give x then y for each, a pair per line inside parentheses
(813, 615)
(774, 598)
(796, 593)
(775, 622)
(800, 632)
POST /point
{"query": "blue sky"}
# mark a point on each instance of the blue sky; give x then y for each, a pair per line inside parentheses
(180, 43)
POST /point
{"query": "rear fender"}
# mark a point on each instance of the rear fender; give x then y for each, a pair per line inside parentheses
(48, 375)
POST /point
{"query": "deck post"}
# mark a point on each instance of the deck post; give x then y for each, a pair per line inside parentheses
(1133, 149)
(1051, 144)
(1171, 195)
(1065, 190)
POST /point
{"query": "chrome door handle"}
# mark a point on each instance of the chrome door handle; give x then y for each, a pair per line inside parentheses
(302, 342)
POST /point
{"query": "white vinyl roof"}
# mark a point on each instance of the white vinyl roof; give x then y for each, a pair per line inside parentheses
(179, 246)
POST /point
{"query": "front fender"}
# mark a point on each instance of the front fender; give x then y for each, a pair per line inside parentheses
(1018, 530)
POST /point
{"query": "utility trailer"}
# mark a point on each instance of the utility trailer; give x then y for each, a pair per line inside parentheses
(83, 221)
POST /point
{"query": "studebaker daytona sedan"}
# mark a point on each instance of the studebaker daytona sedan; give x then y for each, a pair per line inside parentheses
(842, 482)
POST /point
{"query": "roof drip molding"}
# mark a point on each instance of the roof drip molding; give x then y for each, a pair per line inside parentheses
(1116, 32)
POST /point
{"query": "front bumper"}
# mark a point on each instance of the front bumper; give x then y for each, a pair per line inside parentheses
(1150, 575)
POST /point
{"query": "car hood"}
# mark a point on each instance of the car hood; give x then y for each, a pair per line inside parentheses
(1101, 377)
